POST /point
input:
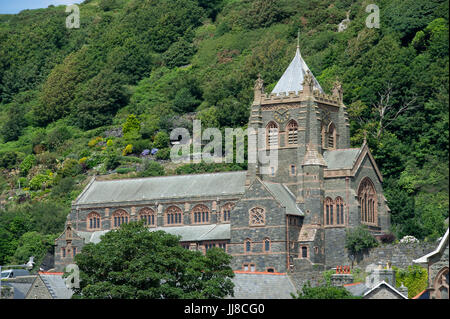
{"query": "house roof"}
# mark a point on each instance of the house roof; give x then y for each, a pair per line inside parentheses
(262, 286)
(357, 289)
(152, 188)
(187, 232)
(386, 285)
(56, 285)
(293, 76)
(20, 288)
(440, 248)
(284, 197)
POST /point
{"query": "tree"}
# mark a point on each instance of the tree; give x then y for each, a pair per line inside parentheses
(323, 292)
(359, 239)
(135, 263)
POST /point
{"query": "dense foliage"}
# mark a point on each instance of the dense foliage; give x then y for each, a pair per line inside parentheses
(323, 292)
(149, 66)
(359, 239)
(134, 263)
(415, 278)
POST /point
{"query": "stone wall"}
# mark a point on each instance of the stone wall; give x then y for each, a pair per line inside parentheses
(399, 255)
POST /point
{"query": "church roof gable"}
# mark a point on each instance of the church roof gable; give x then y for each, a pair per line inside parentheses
(284, 197)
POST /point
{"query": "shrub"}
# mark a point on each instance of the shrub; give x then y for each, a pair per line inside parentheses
(26, 164)
(112, 161)
(163, 154)
(387, 238)
(359, 240)
(40, 181)
(95, 141)
(124, 170)
(161, 140)
(127, 150)
(8, 160)
(152, 168)
(131, 124)
(71, 167)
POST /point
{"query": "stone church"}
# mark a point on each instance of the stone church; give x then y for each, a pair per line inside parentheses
(293, 218)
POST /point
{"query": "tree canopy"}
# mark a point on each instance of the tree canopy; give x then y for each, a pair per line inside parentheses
(135, 263)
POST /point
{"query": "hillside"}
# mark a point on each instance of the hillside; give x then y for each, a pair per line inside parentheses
(79, 102)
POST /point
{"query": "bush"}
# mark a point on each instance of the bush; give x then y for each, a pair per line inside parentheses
(64, 187)
(40, 181)
(152, 168)
(163, 154)
(124, 170)
(161, 140)
(8, 160)
(359, 240)
(71, 168)
(387, 238)
(112, 161)
(27, 164)
(127, 150)
(93, 142)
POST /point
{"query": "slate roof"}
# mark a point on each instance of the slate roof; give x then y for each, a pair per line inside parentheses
(56, 285)
(187, 232)
(151, 188)
(443, 243)
(341, 159)
(357, 289)
(262, 286)
(285, 197)
(20, 289)
(292, 78)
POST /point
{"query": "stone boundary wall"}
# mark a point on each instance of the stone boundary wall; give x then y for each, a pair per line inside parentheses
(399, 255)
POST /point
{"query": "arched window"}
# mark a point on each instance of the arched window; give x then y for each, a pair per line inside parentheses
(328, 211)
(441, 284)
(200, 214)
(368, 202)
(292, 132)
(248, 245)
(148, 216)
(266, 244)
(339, 210)
(173, 216)
(331, 136)
(257, 216)
(272, 134)
(334, 211)
(93, 221)
(226, 211)
(119, 217)
(328, 136)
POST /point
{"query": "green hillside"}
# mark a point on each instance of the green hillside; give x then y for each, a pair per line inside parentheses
(79, 102)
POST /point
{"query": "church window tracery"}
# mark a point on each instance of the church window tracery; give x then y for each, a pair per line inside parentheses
(292, 130)
(148, 216)
(272, 134)
(368, 201)
(200, 214)
(119, 217)
(173, 216)
(257, 216)
(334, 212)
(93, 221)
(226, 211)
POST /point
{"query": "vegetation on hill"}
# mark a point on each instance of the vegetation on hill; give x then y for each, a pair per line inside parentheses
(78, 102)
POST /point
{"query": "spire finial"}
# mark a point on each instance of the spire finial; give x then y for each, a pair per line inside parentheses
(298, 39)
(365, 137)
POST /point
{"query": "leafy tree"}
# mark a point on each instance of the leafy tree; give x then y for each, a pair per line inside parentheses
(99, 100)
(135, 263)
(359, 239)
(15, 123)
(323, 292)
(33, 244)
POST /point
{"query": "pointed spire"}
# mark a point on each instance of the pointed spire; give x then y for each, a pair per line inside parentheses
(298, 39)
(293, 76)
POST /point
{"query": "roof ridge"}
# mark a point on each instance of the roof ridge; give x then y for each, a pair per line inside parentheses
(165, 176)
